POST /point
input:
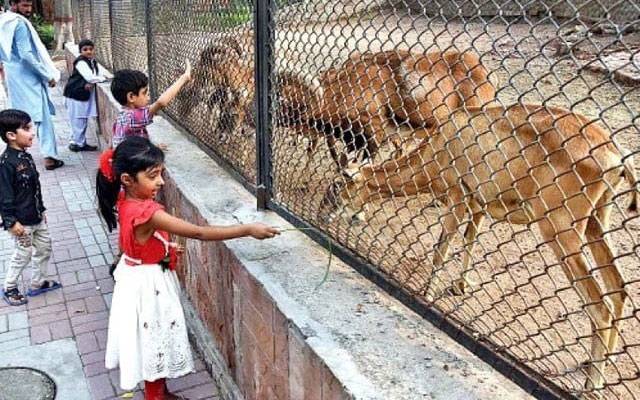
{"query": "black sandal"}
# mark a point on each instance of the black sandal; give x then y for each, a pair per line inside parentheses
(45, 287)
(53, 164)
(13, 297)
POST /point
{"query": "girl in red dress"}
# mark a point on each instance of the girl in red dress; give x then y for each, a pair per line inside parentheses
(147, 334)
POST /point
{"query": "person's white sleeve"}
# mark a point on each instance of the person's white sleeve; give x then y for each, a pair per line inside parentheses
(88, 74)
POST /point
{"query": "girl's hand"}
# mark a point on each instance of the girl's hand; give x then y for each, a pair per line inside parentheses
(261, 231)
(163, 146)
(187, 71)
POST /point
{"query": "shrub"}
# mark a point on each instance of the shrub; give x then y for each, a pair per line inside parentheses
(44, 29)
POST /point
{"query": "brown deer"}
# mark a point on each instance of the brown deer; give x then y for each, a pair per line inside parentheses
(223, 77)
(355, 102)
(370, 92)
(523, 164)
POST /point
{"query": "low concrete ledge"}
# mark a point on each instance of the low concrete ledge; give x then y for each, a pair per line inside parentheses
(264, 329)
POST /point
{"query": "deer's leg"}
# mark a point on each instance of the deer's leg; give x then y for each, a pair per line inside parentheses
(613, 280)
(450, 223)
(340, 160)
(471, 232)
(566, 238)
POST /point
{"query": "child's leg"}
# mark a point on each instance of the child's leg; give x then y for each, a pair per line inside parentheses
(42, 254)
(154, 390)
(157, 390)
(79, 131)
(20, 258)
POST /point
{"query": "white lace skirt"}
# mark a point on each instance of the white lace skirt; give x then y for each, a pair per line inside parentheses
(147, 335)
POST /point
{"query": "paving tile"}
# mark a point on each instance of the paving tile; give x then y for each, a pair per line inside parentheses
(91, 358)
(200, 392)
(60, 329)
(95, 304)
(15, 343)
(101, 387)
(49, 317)
(188, 381)
(90, 317)
(68, 278)
(96, 368)
(87, 343)
(40, 334)
(47, 310)
(12, 335)
(18, 320)
(91, 326)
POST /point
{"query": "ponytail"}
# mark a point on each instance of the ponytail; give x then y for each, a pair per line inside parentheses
(133, 155)
(107, 189)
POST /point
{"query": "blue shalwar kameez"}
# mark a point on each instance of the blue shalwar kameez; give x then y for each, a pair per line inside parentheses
(27, 78)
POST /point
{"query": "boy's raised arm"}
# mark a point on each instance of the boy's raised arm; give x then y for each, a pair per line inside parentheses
(172, 91)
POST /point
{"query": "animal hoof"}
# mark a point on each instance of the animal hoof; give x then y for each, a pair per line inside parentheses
(357, 219)
(460, 287)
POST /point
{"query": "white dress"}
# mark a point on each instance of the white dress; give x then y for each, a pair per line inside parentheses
(147, 336)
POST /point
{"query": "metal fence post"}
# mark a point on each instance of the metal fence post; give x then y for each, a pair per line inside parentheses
(264, 39)
(148, 23)
(110, 2)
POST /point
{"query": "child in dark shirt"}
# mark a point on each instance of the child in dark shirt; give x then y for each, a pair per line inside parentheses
(22, 209)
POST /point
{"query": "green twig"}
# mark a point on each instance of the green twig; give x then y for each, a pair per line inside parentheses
(330, 248)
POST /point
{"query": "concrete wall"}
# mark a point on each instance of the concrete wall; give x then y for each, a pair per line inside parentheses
(264, 328)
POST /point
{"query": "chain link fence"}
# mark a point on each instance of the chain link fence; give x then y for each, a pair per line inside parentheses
(128, 35)
(81, 10)
(476, 159)
(217, 107)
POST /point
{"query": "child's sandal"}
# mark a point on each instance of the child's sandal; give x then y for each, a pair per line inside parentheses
(13, 297)
(45, 287)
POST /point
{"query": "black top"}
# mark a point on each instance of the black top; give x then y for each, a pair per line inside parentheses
(75, 86)
(20, 196)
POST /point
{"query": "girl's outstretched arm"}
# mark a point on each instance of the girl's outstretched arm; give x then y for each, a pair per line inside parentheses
(164, 221)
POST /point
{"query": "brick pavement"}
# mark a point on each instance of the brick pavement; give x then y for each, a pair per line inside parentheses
(82, 250)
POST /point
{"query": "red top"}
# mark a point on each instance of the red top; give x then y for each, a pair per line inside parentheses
(133, 213)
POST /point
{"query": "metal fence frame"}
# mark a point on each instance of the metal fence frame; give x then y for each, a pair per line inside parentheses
(264, 39)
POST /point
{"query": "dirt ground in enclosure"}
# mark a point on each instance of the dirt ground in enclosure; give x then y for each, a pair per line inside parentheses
(523, 302)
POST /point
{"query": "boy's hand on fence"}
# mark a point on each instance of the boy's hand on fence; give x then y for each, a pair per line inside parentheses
(262, 231)
(187, 71)
(17, 229)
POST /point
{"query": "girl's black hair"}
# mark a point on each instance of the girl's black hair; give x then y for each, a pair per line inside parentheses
(133, 155)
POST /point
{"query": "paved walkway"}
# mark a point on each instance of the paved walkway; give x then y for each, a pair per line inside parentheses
(73, 321)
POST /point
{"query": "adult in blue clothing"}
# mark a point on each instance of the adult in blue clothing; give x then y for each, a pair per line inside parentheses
(29, 73)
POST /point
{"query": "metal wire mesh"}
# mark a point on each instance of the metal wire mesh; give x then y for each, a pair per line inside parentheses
(100, 31)
(510, 220)
(81, 10)
(380, 83)
(128, 35)
(217, 107)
